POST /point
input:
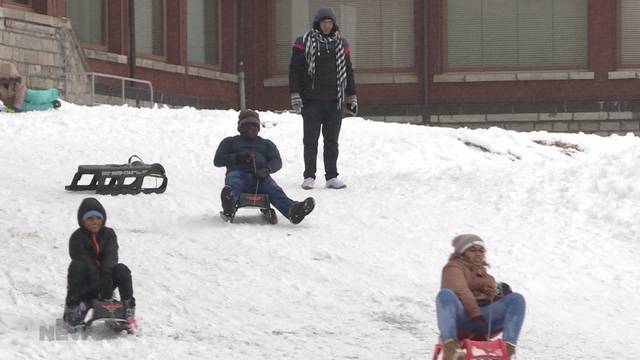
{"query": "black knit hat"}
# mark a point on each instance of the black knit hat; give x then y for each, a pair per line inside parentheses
(324, 13)
(248, 117)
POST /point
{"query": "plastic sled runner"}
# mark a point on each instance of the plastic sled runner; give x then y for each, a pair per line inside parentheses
(260, 201)
(115, 179)
(478, 350)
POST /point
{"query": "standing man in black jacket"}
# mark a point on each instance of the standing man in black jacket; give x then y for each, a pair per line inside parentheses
(94, 271)
(320, 80)
(250, 160)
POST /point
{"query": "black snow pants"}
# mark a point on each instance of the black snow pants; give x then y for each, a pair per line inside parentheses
(321, 115)
(80, 288)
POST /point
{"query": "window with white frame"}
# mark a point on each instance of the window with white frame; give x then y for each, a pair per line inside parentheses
(87, 18)
(515, 33)
(149, 22)
(202, 31)
(380, 32)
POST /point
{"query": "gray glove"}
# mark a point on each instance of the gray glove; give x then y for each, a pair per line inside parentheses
(296, 103)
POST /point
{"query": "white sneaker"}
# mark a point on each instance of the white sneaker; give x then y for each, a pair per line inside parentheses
(335, 183)
(308, 183)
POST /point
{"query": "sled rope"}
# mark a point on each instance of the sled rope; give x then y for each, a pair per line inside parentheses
(490, 317)
(255, 170)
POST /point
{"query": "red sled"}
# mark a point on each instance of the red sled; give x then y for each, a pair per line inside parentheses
(478, 350)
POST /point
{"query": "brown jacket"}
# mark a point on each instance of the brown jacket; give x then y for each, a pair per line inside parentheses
(473, 285)
(12, 87)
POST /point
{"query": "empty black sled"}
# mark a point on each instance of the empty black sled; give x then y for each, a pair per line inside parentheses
(116, 179)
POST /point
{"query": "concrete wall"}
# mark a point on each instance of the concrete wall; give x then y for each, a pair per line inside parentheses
(45, 52)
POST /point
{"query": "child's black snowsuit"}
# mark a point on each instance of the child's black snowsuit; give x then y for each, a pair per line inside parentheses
(94, 271)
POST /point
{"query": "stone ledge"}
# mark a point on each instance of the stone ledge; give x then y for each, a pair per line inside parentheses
(620, 115)
(105, 56)
(455, 77)
(555, 116)
(468, 118)
(408, 119)
(382, 78)
(162, 66)
(624, 74)
(386, 78)
(512, 117)
(32, 17)
(159, 65)
(404, 119)
(534, 117)
(276, 81)
(590, 116)
(211, 74)
(29, 28)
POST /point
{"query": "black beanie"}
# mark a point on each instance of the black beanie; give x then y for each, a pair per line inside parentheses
(248, 116)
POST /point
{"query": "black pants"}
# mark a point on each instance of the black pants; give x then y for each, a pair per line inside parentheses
(322, 116)
(80, 288)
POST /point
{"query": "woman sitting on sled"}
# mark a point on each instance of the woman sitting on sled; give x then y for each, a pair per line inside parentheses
(470, 304)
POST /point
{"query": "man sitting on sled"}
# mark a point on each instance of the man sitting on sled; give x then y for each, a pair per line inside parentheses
(470, 303)
(250, 160)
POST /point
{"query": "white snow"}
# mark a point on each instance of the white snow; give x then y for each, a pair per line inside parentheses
(356, 279)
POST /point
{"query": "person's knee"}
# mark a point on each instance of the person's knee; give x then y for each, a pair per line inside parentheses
(121, 272)
(234, 175)
(310, 141)
(446, 296)
(516, 298)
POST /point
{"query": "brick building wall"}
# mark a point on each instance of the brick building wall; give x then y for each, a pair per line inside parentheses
(602, 97)
(175, 80)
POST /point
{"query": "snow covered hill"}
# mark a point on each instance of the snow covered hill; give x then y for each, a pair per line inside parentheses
(356, 279)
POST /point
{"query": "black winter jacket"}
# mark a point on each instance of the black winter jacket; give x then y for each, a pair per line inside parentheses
(325, 86)
(264, 151)
(100, 256)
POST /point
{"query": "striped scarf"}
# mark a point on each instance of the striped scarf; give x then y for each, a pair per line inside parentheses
(312, 40)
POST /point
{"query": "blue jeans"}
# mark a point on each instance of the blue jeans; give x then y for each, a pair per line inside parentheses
(244, 182)
(507, 315)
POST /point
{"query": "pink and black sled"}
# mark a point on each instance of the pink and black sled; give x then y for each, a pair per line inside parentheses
(477, 350)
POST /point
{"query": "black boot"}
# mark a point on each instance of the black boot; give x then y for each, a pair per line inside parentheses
(228, 204)
(74, 314)
(130, 310)
(299, 209)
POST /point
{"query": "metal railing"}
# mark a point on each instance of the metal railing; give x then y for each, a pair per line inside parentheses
(122, 79)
